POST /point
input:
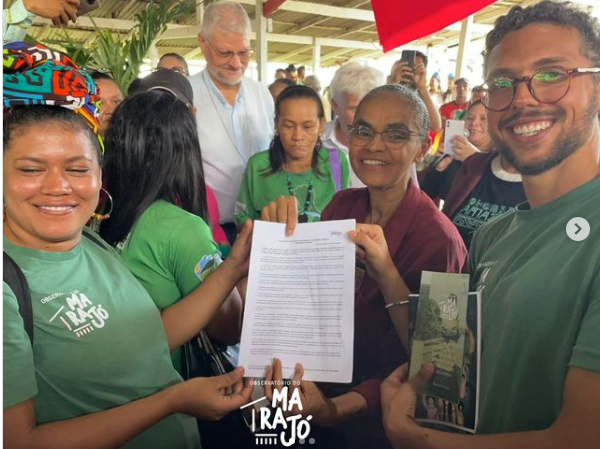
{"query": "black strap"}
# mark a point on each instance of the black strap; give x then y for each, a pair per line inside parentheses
(15, 279)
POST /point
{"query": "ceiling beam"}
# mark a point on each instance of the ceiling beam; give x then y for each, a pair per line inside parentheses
(322, 10)
(101, 22)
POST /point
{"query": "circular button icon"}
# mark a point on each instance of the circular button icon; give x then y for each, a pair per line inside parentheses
(578, 229)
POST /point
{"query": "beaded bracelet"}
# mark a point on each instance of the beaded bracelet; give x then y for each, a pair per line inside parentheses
(396, 303)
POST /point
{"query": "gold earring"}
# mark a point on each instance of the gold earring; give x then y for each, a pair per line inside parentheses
(106, 216)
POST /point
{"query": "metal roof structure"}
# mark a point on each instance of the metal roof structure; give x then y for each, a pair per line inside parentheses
(322, 32)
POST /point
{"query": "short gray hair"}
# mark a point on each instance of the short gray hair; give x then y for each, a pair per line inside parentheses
(313, 82)
(356, 79)
(408, 95)
(228, 16)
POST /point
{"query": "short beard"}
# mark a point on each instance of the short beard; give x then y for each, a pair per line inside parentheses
(223, 80)
(565, 146)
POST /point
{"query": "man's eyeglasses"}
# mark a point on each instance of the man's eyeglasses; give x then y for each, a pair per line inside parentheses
(227, 55)
(547, 85)
(180, 70)
(392, 137)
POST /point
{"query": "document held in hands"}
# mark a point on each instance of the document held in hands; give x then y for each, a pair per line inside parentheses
(300, 301)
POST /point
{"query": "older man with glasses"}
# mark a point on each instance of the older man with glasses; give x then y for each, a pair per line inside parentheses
(235, 113)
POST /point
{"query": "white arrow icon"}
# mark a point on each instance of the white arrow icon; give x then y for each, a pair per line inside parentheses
(578, 229)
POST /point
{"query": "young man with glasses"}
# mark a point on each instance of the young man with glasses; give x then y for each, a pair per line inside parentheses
(235, 113)
(539, 277)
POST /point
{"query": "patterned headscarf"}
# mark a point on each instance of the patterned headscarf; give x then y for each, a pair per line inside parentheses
(37, 75)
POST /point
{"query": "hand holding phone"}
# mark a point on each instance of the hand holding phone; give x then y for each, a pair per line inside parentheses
(86, 6)
(453, 128)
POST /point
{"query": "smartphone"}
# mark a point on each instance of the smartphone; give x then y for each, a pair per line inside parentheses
(453, 128)
(408, 56)
(86, 6)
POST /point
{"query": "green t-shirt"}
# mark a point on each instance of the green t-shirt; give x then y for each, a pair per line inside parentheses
(171, 252)
(258, 190)
(99, 342)
(540, 308)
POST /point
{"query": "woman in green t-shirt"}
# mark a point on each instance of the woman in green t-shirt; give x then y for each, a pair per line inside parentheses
(153, 169)
(95, 371)
(295, 164)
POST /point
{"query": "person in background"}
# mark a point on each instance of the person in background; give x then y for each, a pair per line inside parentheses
(314, 83)
(280, 74)
(295, 164)
(291, 73)
(19, 17)
(97, 372)
(435, 90)
(175, 62)
(438, 178)
(278, 86)
(349, 85)
(449, 110)
(476, 93)
(153, 167)
(178, 85)
(450, 91)
(540, 285)
(301, 75)
(400, 233)
(486, 185)
(417, 79)
(236, 112)
(110, 98)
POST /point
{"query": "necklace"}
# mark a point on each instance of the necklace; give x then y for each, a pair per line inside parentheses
(218, 112)
(302, 217)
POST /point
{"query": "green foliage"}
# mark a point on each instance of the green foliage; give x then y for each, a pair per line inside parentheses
(122, 57)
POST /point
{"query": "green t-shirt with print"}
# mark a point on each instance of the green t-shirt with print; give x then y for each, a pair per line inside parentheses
(259, 187)
(540, 308)
(170, 251)
(99, 342)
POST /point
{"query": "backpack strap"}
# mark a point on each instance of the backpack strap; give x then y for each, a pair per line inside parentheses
(334, 158)
(15, 279)
(95, 238)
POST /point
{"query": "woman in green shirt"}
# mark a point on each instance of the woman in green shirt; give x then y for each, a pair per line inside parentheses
(295, 164)
(153, 168)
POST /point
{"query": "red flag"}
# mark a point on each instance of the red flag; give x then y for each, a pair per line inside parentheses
(402, 21)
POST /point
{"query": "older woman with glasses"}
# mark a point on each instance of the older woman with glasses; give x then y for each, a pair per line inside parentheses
(402, 233)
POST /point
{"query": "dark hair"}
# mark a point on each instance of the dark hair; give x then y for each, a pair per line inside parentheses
(286, 81)
(17, 118)
(276, 150)
(290, 68)
(407, 95)
(561, 14)
(176, 56)
(152, 153)
(423, 56)
(134, 87)
(101, 76)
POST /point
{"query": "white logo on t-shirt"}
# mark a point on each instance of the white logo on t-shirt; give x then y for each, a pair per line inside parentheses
(80, 316)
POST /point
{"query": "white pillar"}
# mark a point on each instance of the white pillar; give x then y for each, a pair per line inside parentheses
(463, 44)
(153, 55)
(261, 43)
(316, 62)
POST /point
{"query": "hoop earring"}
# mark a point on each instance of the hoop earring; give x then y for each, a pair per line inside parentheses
(106, 216)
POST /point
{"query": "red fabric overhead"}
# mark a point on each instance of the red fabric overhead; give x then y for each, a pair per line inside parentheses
(402, 21)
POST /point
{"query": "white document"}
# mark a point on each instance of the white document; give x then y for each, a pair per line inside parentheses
(300, 301)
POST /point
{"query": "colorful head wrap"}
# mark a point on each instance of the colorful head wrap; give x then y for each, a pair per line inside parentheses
(37, 75)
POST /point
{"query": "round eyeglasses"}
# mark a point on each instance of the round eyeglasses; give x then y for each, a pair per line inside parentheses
(392, 137)
(547, 85)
